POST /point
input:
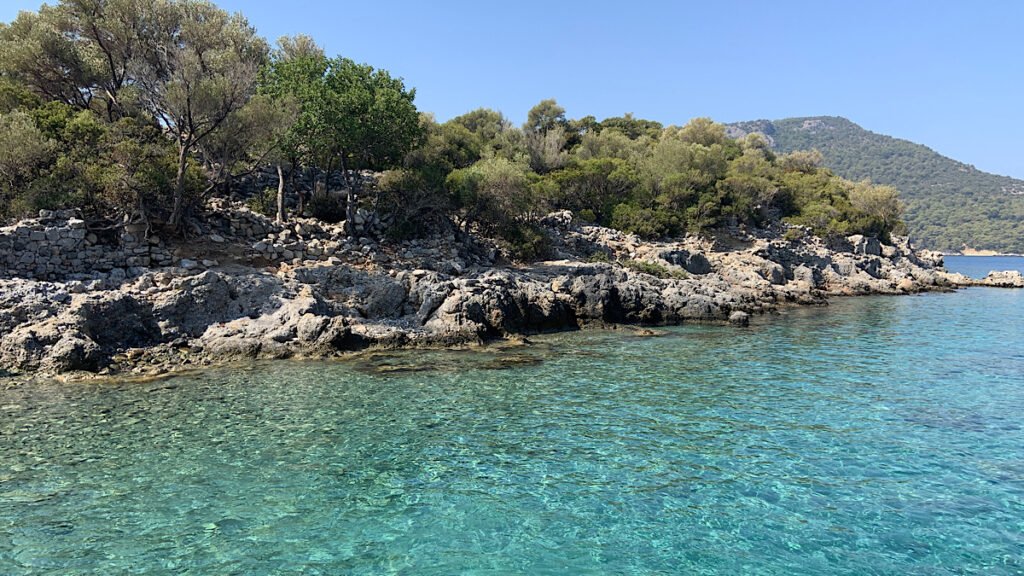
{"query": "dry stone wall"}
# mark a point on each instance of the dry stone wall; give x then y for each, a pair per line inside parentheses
(59, 246)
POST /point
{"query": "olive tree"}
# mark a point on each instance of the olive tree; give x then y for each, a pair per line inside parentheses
(23, 148)
(83, 52)
(251, 137)
(35, 50)
(546, 136)
(204, 70)
(113, 35)
(295, 74)
(877, 209)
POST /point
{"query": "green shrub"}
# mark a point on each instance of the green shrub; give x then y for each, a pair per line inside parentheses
(794, 234)
(645, 222)
(415, 208)
(526, 242)
(264, 202)
(324, 207)
(586, 215)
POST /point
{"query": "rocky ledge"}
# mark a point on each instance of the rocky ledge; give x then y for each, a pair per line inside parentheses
(239, 304)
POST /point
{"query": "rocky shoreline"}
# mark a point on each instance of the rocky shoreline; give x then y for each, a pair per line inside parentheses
(304, 290)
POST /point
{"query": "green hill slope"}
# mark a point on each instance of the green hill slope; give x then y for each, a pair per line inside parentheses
(949, 204)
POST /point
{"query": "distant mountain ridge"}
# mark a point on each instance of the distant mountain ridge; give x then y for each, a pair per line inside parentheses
(950, 205)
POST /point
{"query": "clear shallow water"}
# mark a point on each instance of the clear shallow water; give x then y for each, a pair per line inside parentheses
(877, 436)
(980, 266)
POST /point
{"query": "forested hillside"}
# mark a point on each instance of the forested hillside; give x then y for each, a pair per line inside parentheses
(949, 204)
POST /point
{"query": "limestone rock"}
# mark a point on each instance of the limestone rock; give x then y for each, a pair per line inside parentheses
(78, 301)
(692, 262)
(739, 318)
(73, 352)
(865, 245)
(1003, 279)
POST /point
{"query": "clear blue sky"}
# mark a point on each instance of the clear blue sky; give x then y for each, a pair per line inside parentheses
(949, 75)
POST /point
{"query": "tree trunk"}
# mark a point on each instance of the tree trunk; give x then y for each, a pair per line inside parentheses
(350, 211)
(300, 194)
(226, 174)
(110, 108)
(350, 198)
(280, 195)
(142, 211)
(179, 187)
(327, 175)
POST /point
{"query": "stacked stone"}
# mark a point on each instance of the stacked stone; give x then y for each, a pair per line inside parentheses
(140, 251)
(366, 223)
(250, 225)
(57, 245)
(37, 250)
(292, 244)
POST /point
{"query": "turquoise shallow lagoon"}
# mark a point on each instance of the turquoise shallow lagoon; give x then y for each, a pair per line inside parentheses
(879, 435)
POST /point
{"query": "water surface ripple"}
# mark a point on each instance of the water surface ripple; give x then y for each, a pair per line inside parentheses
(875, 436)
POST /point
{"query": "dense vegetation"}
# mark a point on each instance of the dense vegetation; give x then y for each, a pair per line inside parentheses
(949, 204)
(629, 174)
(140, 109)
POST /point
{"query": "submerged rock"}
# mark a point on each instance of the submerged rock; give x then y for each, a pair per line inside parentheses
(739, 318)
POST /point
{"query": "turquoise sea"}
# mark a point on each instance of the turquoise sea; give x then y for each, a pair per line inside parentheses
(878, 435)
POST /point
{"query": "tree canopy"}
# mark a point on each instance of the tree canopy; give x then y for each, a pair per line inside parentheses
(202, 77)
(141, 109)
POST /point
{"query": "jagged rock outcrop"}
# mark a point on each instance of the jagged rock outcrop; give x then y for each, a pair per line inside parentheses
(176, 317)
(1003, 279)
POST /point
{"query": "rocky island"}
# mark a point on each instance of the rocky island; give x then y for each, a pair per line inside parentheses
(190, 196)
(263, 312)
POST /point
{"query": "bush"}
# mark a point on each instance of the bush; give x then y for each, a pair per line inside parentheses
(264, 202)
(526, 243)
(645, 222)
(415, 208)
(54, 157)
(586, 216)
(877, 210)
(327, 208)
(794, 234)
(25, 152)
(493, 194)
(39, 195)
(592, 188)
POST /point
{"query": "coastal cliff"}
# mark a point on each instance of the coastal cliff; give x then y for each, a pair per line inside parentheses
(255, 289)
